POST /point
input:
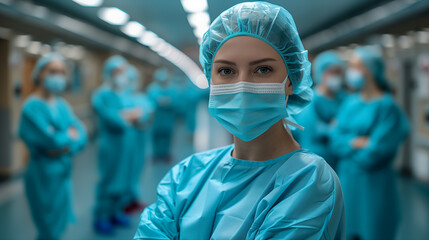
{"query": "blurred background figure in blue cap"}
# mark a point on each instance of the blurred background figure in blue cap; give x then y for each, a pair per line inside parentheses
(53, 134)
(259, 73)
(371, 128)
(138, 141)
(162, 93)
(319, 117)
(117, 116)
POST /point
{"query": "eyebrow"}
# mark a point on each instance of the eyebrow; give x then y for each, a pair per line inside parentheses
(251, 63)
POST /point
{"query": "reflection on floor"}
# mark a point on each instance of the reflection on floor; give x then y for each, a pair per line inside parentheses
(16, 224)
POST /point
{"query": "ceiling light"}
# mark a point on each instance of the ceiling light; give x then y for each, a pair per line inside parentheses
(422, 37)
(199, 32)
(405, 42)
(114, 16)
(192, 6)
(34, 47)
(197, 19)
(149, 38)
(387, 40)
(22, 41)
(89, 3)
(133, 29)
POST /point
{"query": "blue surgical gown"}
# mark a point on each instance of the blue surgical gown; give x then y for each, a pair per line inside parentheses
(317, 120)
(189, 96)
(43, 127)
(212, 195)
(137, 145)
(165, 99)
(366, 175)
(114, 146)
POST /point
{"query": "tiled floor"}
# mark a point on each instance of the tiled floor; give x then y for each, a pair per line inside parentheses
(16, 224)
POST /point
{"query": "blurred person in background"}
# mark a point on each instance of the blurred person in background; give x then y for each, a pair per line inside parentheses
(189, 96)
(319, 117)
(53, 134)
(370, 130)
(117, 116)
(264, 186)
(164, 96)
(138, 141)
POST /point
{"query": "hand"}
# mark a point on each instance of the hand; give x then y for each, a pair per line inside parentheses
(360, 142)
(132, 115)
(73, 133)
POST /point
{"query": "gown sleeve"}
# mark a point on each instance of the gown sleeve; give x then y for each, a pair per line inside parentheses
(304, 206)
(110, 116)
(36, 131)
(385, 138)
(148, 110)
(159, 220)
(79, 143)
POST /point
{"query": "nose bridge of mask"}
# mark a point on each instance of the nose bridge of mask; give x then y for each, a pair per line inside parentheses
(262, 88)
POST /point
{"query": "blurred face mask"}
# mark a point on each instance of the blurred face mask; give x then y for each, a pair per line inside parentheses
(355, 79)
(246, 109)
(333, 83)
(55, 83)
(120, 81)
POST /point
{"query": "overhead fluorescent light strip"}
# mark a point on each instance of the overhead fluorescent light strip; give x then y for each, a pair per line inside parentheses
(133, 29)
(113, 15)
(193, 6)
(89, 3)
(198, 17)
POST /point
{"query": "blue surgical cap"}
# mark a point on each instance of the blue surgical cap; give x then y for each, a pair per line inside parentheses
(111, 64)
(272, 24)
(42, 62)
(161, 75)
(323, 62)
(374, 63)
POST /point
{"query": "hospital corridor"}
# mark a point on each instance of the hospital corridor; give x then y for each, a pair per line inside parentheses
(207, 119)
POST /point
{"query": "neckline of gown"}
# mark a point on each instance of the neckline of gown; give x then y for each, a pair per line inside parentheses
(248, 163)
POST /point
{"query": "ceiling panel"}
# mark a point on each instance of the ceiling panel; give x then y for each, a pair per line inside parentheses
(168, 19)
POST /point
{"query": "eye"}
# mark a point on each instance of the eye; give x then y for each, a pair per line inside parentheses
(264, 70)
(225, 71)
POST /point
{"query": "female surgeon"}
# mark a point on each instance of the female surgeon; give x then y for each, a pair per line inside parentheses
(318, 118)
(264, 186)
(371, 127)
(53, 134)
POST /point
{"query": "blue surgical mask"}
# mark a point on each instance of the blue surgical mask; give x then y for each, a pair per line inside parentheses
(55, 83)
(246, 109)
(120, 81)
(355, 79)
(334, 83)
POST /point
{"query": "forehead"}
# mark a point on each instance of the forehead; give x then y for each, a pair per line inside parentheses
(241, 48)
(55, 64)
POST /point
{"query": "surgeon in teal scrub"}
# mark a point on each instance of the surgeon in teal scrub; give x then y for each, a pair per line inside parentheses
(264, 186)
(189, 95)
(371, 128)
(318, 119)
(165, 98)
(117, 114)
(53, 135)
(138, 141)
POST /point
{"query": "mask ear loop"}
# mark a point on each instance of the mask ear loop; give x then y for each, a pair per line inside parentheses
(287, 122)
(284, 120)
